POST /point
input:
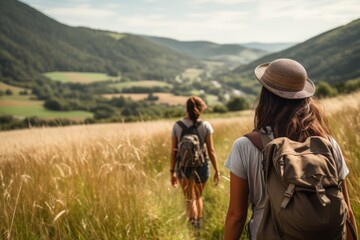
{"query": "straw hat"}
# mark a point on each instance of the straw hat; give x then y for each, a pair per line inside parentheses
(285, 78)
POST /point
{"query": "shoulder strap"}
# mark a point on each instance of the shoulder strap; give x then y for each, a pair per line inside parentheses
(182, 125)
(185, 129)
(258, 139)
(198, 123)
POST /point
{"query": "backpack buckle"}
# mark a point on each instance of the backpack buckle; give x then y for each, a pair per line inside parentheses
(288, 195)
(320, 193)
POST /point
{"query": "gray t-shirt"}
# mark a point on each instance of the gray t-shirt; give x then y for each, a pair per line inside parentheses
(244, 160)
(204, 129)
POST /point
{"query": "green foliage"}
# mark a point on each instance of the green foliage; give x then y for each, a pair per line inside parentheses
(220, 108)
(103, 111)
(8, 122)
(54, 104)
(8, 92)
(152, 97)
(348, 86)
(237, 104)
(323, 90)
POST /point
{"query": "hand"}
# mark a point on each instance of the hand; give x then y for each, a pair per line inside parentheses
(173, 180)
(216, 178)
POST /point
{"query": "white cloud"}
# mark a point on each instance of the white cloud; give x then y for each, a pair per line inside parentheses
(81, 11)
(221, 1)
(216, 20)
(223, 25)
(308, 9)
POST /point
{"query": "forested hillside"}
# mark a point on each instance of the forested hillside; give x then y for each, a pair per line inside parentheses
(333, 56)
(32, 43)
(234, 54)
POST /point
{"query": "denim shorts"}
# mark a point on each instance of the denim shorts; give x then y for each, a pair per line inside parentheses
(199, 174)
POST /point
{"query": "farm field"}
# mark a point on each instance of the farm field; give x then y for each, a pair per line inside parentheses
(16, 90)
(24, 106)
(79, 77)
(144, 83)
(111, 181)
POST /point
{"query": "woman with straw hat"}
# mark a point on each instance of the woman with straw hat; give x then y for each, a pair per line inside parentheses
(285, 109)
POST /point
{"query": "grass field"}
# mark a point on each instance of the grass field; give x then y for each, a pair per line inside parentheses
(111, 181)
(79, 77)
(15, 90)
(144, 83)
(115, 35)
(192, 73)
(24, 106)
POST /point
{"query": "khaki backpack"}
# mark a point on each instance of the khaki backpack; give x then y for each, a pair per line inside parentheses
(304, 200)
(190, 149)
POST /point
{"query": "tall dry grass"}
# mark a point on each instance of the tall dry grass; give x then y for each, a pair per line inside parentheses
(104, 182)
(111, 181)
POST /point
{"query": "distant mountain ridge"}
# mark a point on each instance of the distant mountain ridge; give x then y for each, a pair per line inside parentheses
(269, 47)
(231, 53)
(32, 43)
(333, 56)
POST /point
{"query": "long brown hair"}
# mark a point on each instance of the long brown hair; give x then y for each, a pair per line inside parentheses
(296, 119)
(194, 107)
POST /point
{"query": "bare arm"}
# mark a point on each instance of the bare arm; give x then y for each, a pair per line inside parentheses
(173, 178)
(238, 207)
(212, 156)
(347, 200)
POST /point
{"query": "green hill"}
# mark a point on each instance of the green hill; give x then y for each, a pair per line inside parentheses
(32, 43)
(227, 53)
(333, 56)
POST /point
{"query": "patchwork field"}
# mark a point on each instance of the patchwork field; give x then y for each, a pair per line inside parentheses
(144, 83)
(79, 77)
(16, 90)
(24, 106)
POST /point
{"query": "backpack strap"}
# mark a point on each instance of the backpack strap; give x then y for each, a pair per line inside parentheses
(259, 139)
(182, 125)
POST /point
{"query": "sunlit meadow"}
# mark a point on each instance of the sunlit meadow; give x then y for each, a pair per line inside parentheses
(111, 181)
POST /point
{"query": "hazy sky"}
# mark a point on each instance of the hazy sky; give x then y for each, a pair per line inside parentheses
(221, 21)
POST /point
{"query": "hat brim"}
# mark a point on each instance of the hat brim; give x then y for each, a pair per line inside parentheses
(307, 91)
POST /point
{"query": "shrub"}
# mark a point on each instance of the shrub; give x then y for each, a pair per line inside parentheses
(54, 104)
(8, 92)
(323, 90)
(220, 108)
(237, 104)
